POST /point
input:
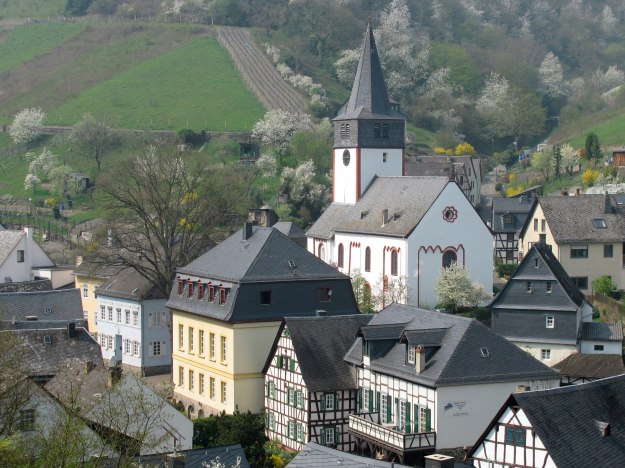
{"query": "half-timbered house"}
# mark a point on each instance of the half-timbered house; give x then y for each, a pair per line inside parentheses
(428, 381)
(574, 426)
(508, 217)
(309, 390)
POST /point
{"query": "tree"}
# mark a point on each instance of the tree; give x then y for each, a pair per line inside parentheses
(543, 162)
(593, 148)
(362, 293)
(556, 160)
(570, 158)
(166, 211)
(93, 138)
(63, 181)
(306, 196)
(455, 289)
(42, 165)
(589, 177)
(27, 125)
(277, 128)
(551, 78)
(604, 285)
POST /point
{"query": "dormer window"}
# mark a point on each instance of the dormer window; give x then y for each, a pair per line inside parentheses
(377, 131)
(366, 347)
(200, 291)
(190, 289)
(20, 256)
(384, 130)
(180, 286)
(211, 293)
(508, 219)
(411, 354)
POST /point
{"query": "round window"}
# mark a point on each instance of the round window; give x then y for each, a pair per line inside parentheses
(450, 214)
(346, 157)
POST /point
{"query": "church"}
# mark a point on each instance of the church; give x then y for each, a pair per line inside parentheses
(397, 231)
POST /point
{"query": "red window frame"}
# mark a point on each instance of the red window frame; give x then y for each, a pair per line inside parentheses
(190, 289)
(211, 293)
(180, 286)
(394, 262)
(200, 291)
(222, 295)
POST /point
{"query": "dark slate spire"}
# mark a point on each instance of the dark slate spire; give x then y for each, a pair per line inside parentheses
(369, 90)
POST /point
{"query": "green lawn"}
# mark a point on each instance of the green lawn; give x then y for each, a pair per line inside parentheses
(31, 8)
(21, 44)
(610, 133)
(194, 86)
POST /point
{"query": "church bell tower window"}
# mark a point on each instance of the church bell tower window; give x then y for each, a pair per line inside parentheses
(346, 157)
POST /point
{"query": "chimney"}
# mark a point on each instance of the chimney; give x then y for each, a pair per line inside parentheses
(419, 359)
(175, 460)
(384, 216)
(247, 231)
(71, 330)
(437, 460)
(607, 208)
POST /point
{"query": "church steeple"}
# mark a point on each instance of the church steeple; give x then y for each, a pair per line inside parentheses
(369, 90)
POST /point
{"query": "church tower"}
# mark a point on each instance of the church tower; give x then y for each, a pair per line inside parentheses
(369, 133)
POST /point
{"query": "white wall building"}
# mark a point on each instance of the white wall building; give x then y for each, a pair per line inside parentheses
(19, 255)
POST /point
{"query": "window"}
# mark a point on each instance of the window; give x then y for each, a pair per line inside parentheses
(579, 251)
(394, 262)
(291, 430)
(329, 434)
(181, 376)
(367, 259)
(550, 321)
(535, 263)
(608, 250)
(191, 379)
(366, 400)
(346, 158)
(201, 350)
(118, 313)
(508, 219)
(425, 419)
(528, 286)
(344, 130)
(384, 157)
(135, 318)
(211, 388)
(109, 342)
(211, 343)
(127, 313)
(545, 354)
(200, 291)
(211, 293)
(329, 401)
(324, 294)
(535, 224)
(222, 295)
(366, 345)
(156, 348)
(515, 436)
(384, 130)
(27, 420)
(384, 408)
(85, 290)
(300, 432)
(20, 256)
(271, 421)
(290, 394)
(377, 131)
(265, 297)
(598, 347)
(135, 348)
(271, 389)
(449, 258)
(224, 395)
(299, 397)
(110, 313)
(102, 312)
(127, 346)
(340, 256)
(180, 336)
(190, 290)
(180, 286)
(411, 354)
(224, 354)
(580, 281)
(201, 383)
(191, 339)
(542, 225)
(599, 223)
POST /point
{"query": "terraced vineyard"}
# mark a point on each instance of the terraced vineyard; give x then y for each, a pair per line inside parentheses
(258, 72)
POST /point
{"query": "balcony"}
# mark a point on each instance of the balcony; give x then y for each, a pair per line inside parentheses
(366, 426)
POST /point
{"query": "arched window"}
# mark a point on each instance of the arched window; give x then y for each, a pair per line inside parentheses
(320, 251)
(367, 259)
(340, 256)
(449, 257)
(394, 262)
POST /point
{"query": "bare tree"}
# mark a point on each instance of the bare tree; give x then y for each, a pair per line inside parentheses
(93, 137)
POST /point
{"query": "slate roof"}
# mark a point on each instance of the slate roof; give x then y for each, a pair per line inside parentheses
(570, 219)
(227, 455)
(433, 165)
(566, 420)
(519, 208)
(599, 331)
(591, 366)
(289, 229)
(459, 358)
(65, 306)
(319, 344)
(42, 359)
(97, 271)
(315, 456)
(8, 242)
(369, 98)
(407, 197)
(128, 284)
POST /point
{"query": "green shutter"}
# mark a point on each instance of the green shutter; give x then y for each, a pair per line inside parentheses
(428, 420)
(322, 403)
(407, 417)
(416, 418)
(323, 436)
(267, 389)
(337, 435)
(370, 401)
(359, 400)
(389, 410)
(377, 401)
(279, 361)
(292, 365)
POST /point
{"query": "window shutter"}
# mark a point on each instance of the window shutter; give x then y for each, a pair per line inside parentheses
(291, 365)
(377, 401)
(407, 417)
(428, 420)
(416, 418)
(267, 389)
(278, 361)
(151, 349)
(359, 400)
(322, 404)
(389, 411)
(337, 435)
(337, 402)
(323, 436)
(370, 401)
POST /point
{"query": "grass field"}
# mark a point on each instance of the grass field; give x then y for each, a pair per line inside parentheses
(31, 8)
(610, 133)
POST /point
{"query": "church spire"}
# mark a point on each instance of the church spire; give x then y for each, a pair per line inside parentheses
(369, 90)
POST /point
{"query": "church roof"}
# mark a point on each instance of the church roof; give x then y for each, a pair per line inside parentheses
(369, 98)
(407, 199)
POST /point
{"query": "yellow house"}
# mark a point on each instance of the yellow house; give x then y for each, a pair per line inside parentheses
(88, 278)
(227, 306)
(586, 233)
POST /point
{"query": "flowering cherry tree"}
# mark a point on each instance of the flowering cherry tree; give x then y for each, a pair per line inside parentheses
(455, 289)
(27, 125)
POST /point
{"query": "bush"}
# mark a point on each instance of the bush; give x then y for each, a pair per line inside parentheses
(589, 177)
(505, 270)
(498, 186)
(603, 285)
(189, 137)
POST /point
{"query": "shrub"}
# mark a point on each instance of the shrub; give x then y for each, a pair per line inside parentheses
(604, 285)
(188, 136)
(589, 177)
(498, 186)
(505, 270)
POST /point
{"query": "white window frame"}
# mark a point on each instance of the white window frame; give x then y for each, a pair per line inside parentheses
(330, 399)
(201, 383)
(330, 435)
(191, 338)
(212, 345)
(118, 314)
(212, 387)
(412, 352)
(365, 400)
(85, 290)
(201, 343)
(135, 318)
(299, 432)
(224, 349)
(550, 321)
(180, 337)
(545, 354)
(180, 376)
(127, 314)
(191, 379)
(224, 392)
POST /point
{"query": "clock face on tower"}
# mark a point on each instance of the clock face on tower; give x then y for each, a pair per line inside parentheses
(346, 157)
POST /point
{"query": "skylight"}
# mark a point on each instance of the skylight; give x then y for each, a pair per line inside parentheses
(599, 223)
(484, 352)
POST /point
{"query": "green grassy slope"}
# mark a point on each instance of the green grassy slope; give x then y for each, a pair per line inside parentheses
(611, 132)
(31, 8)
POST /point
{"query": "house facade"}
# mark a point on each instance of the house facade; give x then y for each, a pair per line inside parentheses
(428, 381)
(234, 297)
(585, 233)
(574, 426)
(88, 278)
(20, 255)
(541, 310)
(309, 390)
(397, 231)
(132, 313)
(508, 217)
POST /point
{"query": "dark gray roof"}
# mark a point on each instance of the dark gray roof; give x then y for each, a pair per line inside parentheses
(459, 357)
(87, 268)
(568, 421)
(58, 305)
(369, 97)
(42, 359)
(602, 331)
(26, 286)
(570, 219)
(128, 284)
(319, 344)
(289, 229)
(407, 199)
(8, 242)
(316, 456)
(227, 455)
(518, 208)
(591, 366)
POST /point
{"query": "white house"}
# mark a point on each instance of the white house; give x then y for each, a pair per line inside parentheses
(393, 228)
(20, 255)
(430, 381)
(131, 310)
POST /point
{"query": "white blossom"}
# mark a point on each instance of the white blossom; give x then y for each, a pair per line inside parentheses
(31, 181)
(27, 125)
(43, 164)
(277, 127)
(455, 289)
(267, 164)
(345, 67)
(608, 20)
(495, 92)
(551, 79)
